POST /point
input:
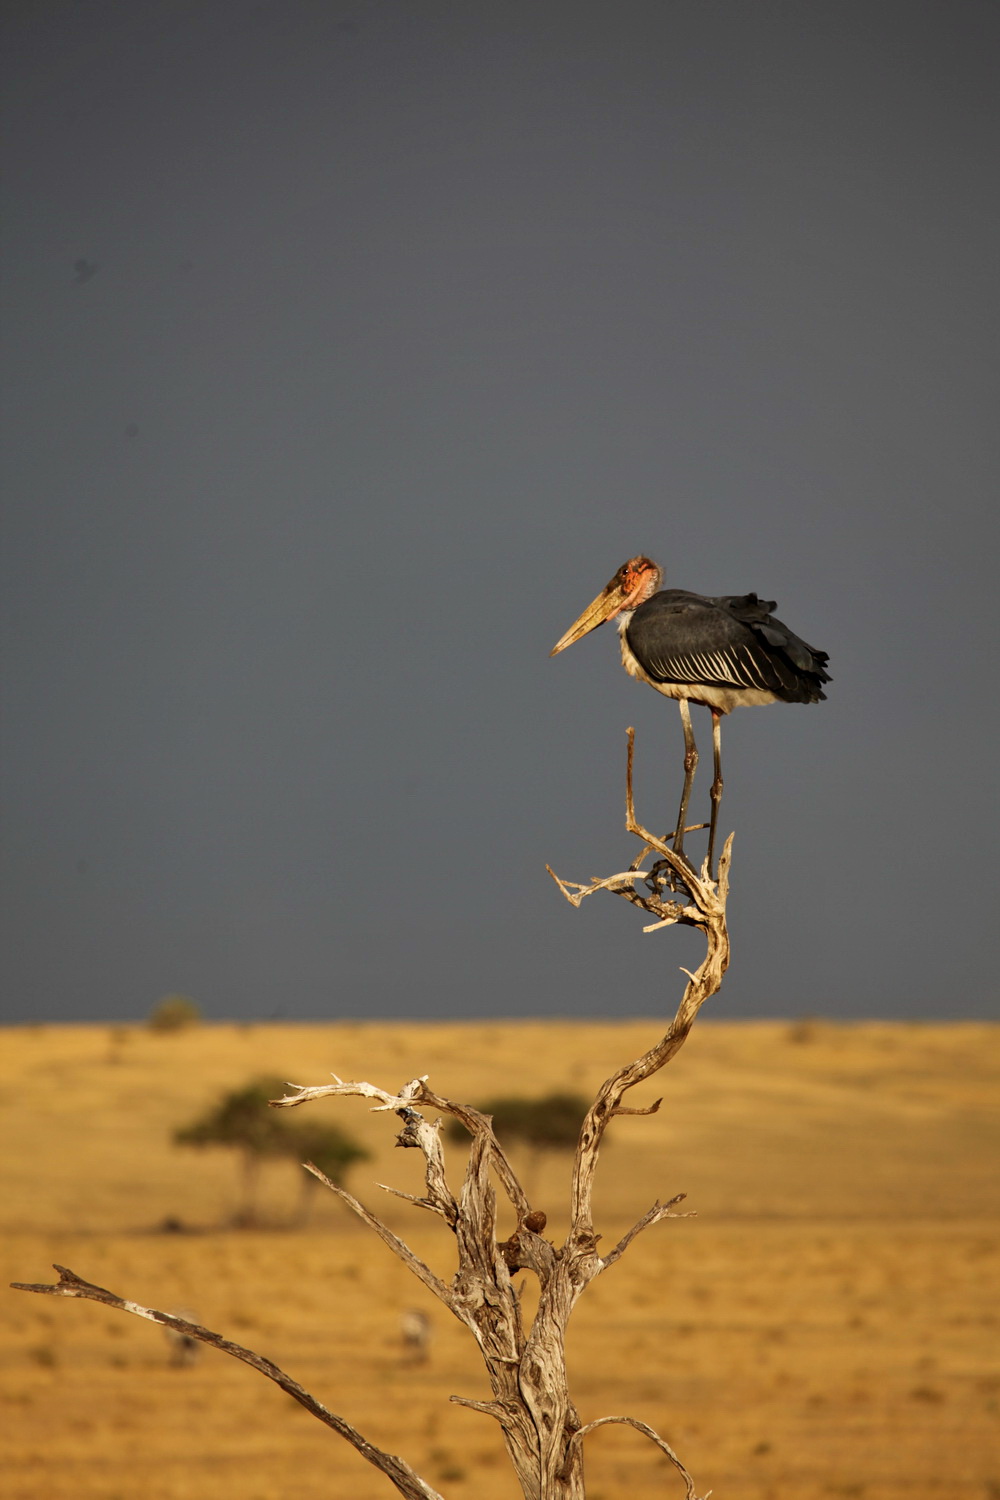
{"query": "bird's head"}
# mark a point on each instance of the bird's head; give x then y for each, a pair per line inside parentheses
(634, 582)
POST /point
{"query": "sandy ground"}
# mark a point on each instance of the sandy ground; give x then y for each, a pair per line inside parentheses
(826, 1325)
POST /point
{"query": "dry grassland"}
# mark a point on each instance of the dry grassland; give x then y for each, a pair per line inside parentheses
(826, 1326)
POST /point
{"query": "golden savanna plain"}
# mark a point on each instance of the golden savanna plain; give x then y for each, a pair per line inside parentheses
(826, 1326)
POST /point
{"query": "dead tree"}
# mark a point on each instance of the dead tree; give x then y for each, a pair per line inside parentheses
(526, 1365)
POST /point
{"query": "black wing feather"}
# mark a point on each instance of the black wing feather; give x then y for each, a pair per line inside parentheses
(732, 641)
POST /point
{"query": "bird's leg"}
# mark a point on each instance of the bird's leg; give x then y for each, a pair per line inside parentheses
(690, 762)
(716, 792)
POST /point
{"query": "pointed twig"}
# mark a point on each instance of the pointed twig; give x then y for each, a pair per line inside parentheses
(651, 1216)
(396, 1245)
(412, 1198)
(488, 1408)
(650, 1109)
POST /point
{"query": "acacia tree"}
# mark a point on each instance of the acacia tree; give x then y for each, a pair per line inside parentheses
(526, 1364)
(242, 1121)
(330, 1149)
(551, 1123)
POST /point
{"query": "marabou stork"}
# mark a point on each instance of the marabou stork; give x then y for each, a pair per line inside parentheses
(719, 652)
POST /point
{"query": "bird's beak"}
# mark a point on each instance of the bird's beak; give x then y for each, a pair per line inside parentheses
(608, 603)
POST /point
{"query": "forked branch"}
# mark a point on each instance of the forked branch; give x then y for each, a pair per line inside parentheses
(385, 1234)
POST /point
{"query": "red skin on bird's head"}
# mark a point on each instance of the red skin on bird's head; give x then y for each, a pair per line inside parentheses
(637, 580)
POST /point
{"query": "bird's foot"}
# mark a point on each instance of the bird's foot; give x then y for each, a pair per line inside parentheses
(664, 877)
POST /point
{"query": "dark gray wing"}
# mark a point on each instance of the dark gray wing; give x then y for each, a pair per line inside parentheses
(733, 642)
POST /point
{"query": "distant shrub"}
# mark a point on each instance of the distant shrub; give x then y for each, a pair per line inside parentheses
(328, 1147)
(243, 1121)
(174, 1013)
(551, 1123)
(240, 1118)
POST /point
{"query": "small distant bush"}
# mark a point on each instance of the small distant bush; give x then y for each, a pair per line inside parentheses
(328, 1147)
(551, 1123)
(242, 1120)
(174, 1013)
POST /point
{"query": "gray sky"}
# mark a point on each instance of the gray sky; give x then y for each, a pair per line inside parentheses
(350, 348)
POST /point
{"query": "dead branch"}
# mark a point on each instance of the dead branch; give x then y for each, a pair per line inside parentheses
(705, 908)
(419, 1133)
(651, 1216)
(648, 1109)
(654, 1437)
(488, 1408)
(406, 1480)
(385, 1234)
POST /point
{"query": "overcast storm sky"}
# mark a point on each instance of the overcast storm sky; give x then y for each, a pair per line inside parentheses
(350, 348)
